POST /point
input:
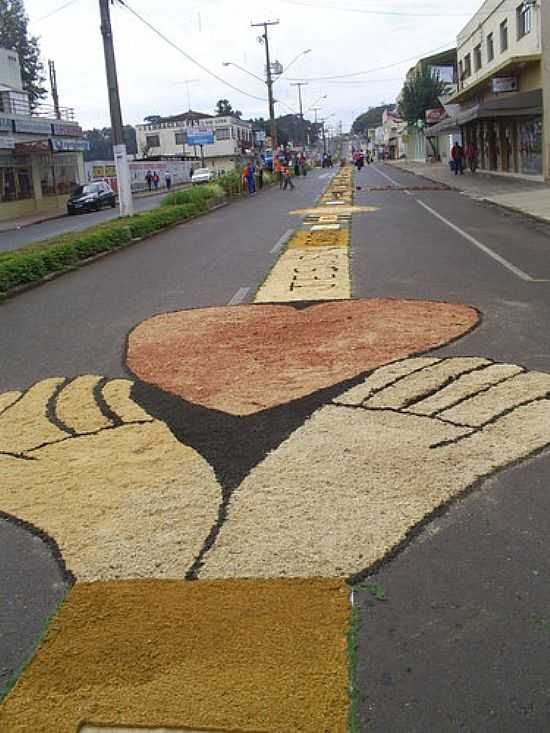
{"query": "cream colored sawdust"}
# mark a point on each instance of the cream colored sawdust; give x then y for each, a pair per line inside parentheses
(75, 408)
(339, 210)
(117, 395)
(7, 399)
(261, 657)
(303, 275)
(346, 487)
(125, 502)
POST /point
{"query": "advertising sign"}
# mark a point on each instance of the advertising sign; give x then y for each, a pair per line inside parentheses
(67, 128)
(203, 137)
(36, 127)
(6, 124)
(67, 145)
(260, 136)
(33, 146)
(504, 84)
(433, 116)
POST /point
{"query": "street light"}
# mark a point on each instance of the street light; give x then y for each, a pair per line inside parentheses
(231, 63)
(299, 56)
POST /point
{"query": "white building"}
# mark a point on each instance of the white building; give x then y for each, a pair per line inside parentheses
(41, 155)
(168, 138)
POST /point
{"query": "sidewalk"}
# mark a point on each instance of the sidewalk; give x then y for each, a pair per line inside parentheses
(517, 194)
(8, 225)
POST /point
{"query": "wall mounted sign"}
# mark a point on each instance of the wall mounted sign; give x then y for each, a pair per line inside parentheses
(504, 84)
(204, 137)
(67, 128)
(7, 143)
(6, 123)
(66, 145)
(33, 146)
(35, 127)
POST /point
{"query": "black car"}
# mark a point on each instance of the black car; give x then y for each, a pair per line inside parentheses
(91, 197)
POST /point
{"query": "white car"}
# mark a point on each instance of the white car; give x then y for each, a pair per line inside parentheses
(203, 175)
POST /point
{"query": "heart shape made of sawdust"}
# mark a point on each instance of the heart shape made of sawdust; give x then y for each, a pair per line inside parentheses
(248, 358)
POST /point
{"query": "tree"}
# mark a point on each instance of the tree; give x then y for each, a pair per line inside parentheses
(369, 119)
(152, 119)
(420, 92)
(14, 35)
(224, 109)
(101, 143)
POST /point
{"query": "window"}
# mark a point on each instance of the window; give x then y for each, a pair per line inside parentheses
(490, 47)
(223, 133)
(467, 66)
(15, 183)
(152, 141)
(58, 173)
(460, 71)
(477, 58)
(181, 138)
(503, 36)
(524, 19)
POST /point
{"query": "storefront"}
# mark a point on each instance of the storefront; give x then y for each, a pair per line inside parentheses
(39, 165)
(508, 133)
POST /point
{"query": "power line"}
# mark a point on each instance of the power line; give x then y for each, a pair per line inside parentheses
(373, 70)
(186, 55)
(397, 13)
(57, 10)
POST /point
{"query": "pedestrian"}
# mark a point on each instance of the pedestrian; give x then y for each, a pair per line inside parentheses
(296, 166)
(278, 167)
(149, 179)
(471, 156)
(250, 180)
(156, 180)
(244, 178)
(457, 156)
(287, 178)
(191, 171)
(260, 174)
(168, 179)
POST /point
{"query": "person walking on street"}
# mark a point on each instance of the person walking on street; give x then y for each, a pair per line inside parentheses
(296, 166)
(168, 179)
(149, 180)
(287, 178)
(457, 155)
(156, 180)
(278, 167)
(471, 156)
(250, 180)
(260, 174)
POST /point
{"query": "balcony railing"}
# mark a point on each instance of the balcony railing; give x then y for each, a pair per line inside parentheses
(15, 106)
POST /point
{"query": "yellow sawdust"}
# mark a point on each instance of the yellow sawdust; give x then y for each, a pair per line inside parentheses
(337, 210)
(29, 415)
(77, 409)
(264, 656)
(125, 502)
(117, 395)
(303, 239)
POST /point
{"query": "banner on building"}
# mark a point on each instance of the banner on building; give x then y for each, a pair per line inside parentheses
(203, 137)
(433, 116)
(504, 84)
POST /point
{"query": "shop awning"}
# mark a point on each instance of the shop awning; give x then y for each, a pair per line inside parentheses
(525, 104)
(446, 126)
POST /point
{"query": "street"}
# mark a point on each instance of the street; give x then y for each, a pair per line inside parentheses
(461, 641)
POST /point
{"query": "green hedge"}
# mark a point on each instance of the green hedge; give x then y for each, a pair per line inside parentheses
(199, 195)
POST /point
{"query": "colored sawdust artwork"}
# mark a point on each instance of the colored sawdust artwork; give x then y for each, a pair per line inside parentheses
(211, 508)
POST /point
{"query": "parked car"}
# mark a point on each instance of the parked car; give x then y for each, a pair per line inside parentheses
(203, 175)
(91, 197)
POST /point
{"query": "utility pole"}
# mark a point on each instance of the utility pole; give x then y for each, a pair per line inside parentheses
(55, 92)
(269, 80)
(119, 146)
(301, 84)
(544, 11)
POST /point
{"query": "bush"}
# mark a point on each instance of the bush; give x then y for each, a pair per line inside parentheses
(197, 195)
(231, 183)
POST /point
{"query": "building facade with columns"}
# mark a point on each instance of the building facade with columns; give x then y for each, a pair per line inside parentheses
(501, 87)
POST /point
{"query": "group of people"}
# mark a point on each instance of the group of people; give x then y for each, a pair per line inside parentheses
(359, 158)
(152, 179)
(252, 173)
(462, 157)
(326, 161)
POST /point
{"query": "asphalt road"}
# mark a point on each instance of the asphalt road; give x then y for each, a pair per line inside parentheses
(37, 232)
(463, 640)
(462, 643)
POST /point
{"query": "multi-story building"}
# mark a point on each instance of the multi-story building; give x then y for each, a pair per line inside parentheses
(500, 90)
(167, 137)
(41, 149)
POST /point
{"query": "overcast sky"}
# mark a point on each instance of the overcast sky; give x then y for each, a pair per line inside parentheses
(152, 75)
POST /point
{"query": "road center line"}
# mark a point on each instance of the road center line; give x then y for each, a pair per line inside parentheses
(508, 265)
(239, 296)
(281, 242)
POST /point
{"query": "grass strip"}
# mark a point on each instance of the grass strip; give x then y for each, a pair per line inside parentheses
(354, 721)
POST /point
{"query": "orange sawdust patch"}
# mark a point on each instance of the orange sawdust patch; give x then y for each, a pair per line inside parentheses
(248, 358)
(216, 655)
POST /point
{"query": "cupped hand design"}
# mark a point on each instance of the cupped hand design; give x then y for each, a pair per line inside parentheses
(119, 494)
